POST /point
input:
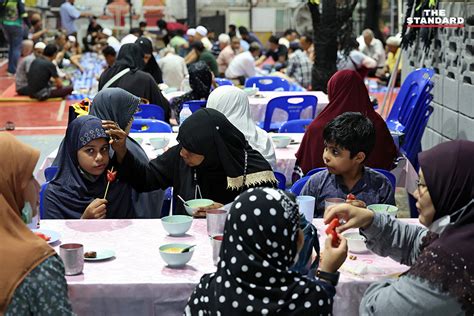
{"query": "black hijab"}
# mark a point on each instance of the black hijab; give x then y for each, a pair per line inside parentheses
(200, 81)
(208, 132)
(151, 66)
(447, 259)
(253, 275)
(72, 189)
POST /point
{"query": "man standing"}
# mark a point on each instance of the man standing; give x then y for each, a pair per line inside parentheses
(69, 14)
(373, 48)
(41, 71)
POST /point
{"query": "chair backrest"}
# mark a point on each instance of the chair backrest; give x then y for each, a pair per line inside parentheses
(150, 111)
(412, 146)
(223, 82)
(268, 83)
(195, 105)
(150, 126)
(412, 127)
(298, 185)
(313, 171)
(295, 126)
(50, 172)
(281, 180)
(390, 176)
(293, 105)
(416, 85)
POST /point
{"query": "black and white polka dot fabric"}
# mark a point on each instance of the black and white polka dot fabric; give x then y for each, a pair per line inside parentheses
(253, 276)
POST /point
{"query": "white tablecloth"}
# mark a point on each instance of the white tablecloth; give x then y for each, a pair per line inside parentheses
(285, 156)
(258, 105)
(138, 282)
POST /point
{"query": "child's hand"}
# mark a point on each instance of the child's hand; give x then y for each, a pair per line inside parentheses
(333, 257)
(96, 210)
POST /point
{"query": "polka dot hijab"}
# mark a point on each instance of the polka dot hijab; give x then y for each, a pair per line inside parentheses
(258, 249)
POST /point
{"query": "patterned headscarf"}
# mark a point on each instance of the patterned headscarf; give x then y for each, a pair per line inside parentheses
(253, 276)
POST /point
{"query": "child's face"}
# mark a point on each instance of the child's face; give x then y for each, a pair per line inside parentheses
(339, 161)
(94, 156)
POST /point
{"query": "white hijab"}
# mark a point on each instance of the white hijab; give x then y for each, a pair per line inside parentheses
(234, 104)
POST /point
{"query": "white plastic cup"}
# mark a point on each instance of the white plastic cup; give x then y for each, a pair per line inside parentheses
(215, 220)
(306, 205)
(332, 201)
(216, 242)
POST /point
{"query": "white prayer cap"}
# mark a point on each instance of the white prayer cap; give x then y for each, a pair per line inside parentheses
(40, 45)
(71, 38)
(191, 32)
(224, 38)
(394, 40)
(201, 30)
(107, 32)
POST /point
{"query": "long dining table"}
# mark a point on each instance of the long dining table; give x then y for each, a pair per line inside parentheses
(136, 281)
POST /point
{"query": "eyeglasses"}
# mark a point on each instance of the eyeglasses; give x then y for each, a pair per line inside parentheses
(420, 185)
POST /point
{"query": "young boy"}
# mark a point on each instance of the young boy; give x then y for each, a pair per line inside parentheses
(349, 139)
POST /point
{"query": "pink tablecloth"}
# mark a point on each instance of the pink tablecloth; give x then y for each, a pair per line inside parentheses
(137, 281)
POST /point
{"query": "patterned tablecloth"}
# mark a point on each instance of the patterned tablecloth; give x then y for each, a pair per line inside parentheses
(138, 282)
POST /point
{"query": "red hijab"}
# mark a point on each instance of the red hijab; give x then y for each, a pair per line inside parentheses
(347, 93)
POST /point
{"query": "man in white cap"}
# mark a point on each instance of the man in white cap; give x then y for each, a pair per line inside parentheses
(201, 34)
(110, 39)
(372, 47)
(393, 48)
(21, 80)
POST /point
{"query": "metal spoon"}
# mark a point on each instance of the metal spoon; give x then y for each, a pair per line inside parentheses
(182, 200)
(187, 248)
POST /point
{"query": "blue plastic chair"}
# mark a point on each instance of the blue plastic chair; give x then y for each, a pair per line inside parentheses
(313, 171)
(415, 123)
(293, 109)
(223, 82)
(412, 146)
(298, 185)
(414, 89)
(50, 172)
(150, 111)
(195, 105)
(281, 180)
(41, 197)
(150, 126)
(268, 83)
(295, 126)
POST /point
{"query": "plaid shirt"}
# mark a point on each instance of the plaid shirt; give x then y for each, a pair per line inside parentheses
(299, 68)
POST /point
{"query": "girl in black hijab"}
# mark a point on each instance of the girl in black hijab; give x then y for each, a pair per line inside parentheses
(212, 156)
(135, 81)
(200, 80)
(261, 241)
(440, 278)
(151, 66)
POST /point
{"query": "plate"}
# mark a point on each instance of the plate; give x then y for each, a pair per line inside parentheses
(55, 236)
(103, 254)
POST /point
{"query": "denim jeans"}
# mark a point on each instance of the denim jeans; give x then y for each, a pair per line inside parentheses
(14, 35)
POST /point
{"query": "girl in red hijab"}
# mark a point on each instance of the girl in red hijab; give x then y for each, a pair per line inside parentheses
(347, 93)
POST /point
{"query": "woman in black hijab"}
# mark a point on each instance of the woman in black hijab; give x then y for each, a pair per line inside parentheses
(200, 81)
(151, 66)
(441, 260)
(212, 156)
(135, 80)
(261, 241)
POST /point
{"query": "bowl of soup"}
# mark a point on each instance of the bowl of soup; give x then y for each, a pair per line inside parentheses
(355, 242)
(172, 255)
(193, 205)
(281, 141)
(384, 209)
(177, 225)
(159, 142)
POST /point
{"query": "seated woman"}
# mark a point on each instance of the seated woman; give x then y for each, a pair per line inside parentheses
(212, 157)
(234, 104)
(77, 190)
(439, 281)
(200, 80)
(262, 239)
(135, 81)
(32, 274)
(346, 93)
(118, 105)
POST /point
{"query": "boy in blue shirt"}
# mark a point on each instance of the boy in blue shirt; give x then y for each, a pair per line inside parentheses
(349, 139)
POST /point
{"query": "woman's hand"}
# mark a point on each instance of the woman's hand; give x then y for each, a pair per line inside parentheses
(96, 210)
(333, 257)
(118, 138)
(356, 203)
(201, 212)
(355, 217)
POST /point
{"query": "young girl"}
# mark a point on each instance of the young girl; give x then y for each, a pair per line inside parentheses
(77, 190)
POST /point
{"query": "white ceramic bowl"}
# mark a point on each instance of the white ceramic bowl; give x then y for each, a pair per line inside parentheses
(281, 141)
(384, 209)
(251, 91)
(159, 142)
(355, 242)
(177, 225)
(176, 259)
(197, 203)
